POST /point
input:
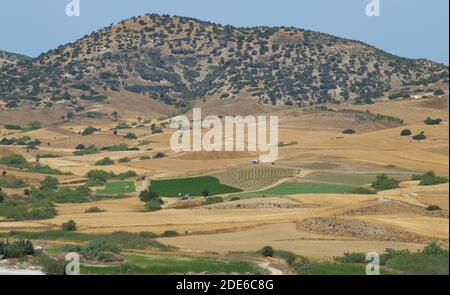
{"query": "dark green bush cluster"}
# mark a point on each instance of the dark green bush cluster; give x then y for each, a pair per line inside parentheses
(16, 249)
(152, 200)
(81, 150)
(104, 162)
(89, 131)
(430, 178)
(383, 182)
(430, 121)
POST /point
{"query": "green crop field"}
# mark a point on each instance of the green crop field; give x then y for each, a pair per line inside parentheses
(159, 265)
(305, 188)
(192, 186)
(126, 187)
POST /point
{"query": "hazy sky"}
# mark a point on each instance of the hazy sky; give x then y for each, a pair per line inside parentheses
(409, 28)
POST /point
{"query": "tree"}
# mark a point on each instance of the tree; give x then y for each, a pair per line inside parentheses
(153, 205)
(49, 183)
(130, 135)
(69, 226)
(104, 162)
(406, 132)
(420, 136)
(147, 196)
(267, 251)
(205, 193)
(383, 182)
(2, 196)
(349, 131)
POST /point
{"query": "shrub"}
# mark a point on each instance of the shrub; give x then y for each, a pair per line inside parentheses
(94, 210)
(383, 182)
(49, 183)
(104, 162)
(99, 175)
(153, 205)
(352, 258)
(126, 175)
(17, 161)
(69, 226)
(92, 149)
(432, 208)
(159, 155)
(430, 178)
(363, 191)
(235, 199)
(2, 196)
(406, 132)
(89, 131)
(430, 121)
(213, 200)
(349, 131)
(13, 127)
(124, 160)
(169, 234)
(267, 251)
(420, 136)
(438, 92)
(130, 135)
(16, 249)
(147, 196)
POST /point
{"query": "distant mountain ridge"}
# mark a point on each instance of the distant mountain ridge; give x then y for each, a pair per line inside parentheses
(177, 60)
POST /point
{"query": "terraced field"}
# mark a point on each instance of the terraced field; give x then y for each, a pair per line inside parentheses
(255, 177)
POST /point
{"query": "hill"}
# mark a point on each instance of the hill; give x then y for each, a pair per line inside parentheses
(176, 60)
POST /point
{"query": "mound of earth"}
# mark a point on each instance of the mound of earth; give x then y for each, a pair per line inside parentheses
(358, 229)
(385, 206)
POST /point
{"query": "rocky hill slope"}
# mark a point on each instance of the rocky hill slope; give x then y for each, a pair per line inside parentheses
(176, 60)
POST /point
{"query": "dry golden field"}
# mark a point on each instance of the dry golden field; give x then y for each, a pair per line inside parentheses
(299, 223)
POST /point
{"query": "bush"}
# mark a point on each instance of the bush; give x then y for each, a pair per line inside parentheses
(406, 132)
(352, 258)
(430, 121)
(432, 208)
(235, 199)
(153, 205)
(17, 161)
(92, 149)
(420, 136)
(94, 210)
(69, 226)
(170, 234)
(104, 162)
(147, 196)
(89, 131)
(2, 196)
(130, 135)
(383, 182)
(49, 183)
(213, 200)
(99, 175)
(363, 191)
(349, 131)
(159, 155)
(16, 249)
(430, 178)
(267, 251)
(438, 92)
(124, 160)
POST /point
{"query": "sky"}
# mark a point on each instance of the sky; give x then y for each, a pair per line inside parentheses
(408, 28)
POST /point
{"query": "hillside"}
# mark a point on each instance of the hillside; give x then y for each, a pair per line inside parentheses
(176, 60)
